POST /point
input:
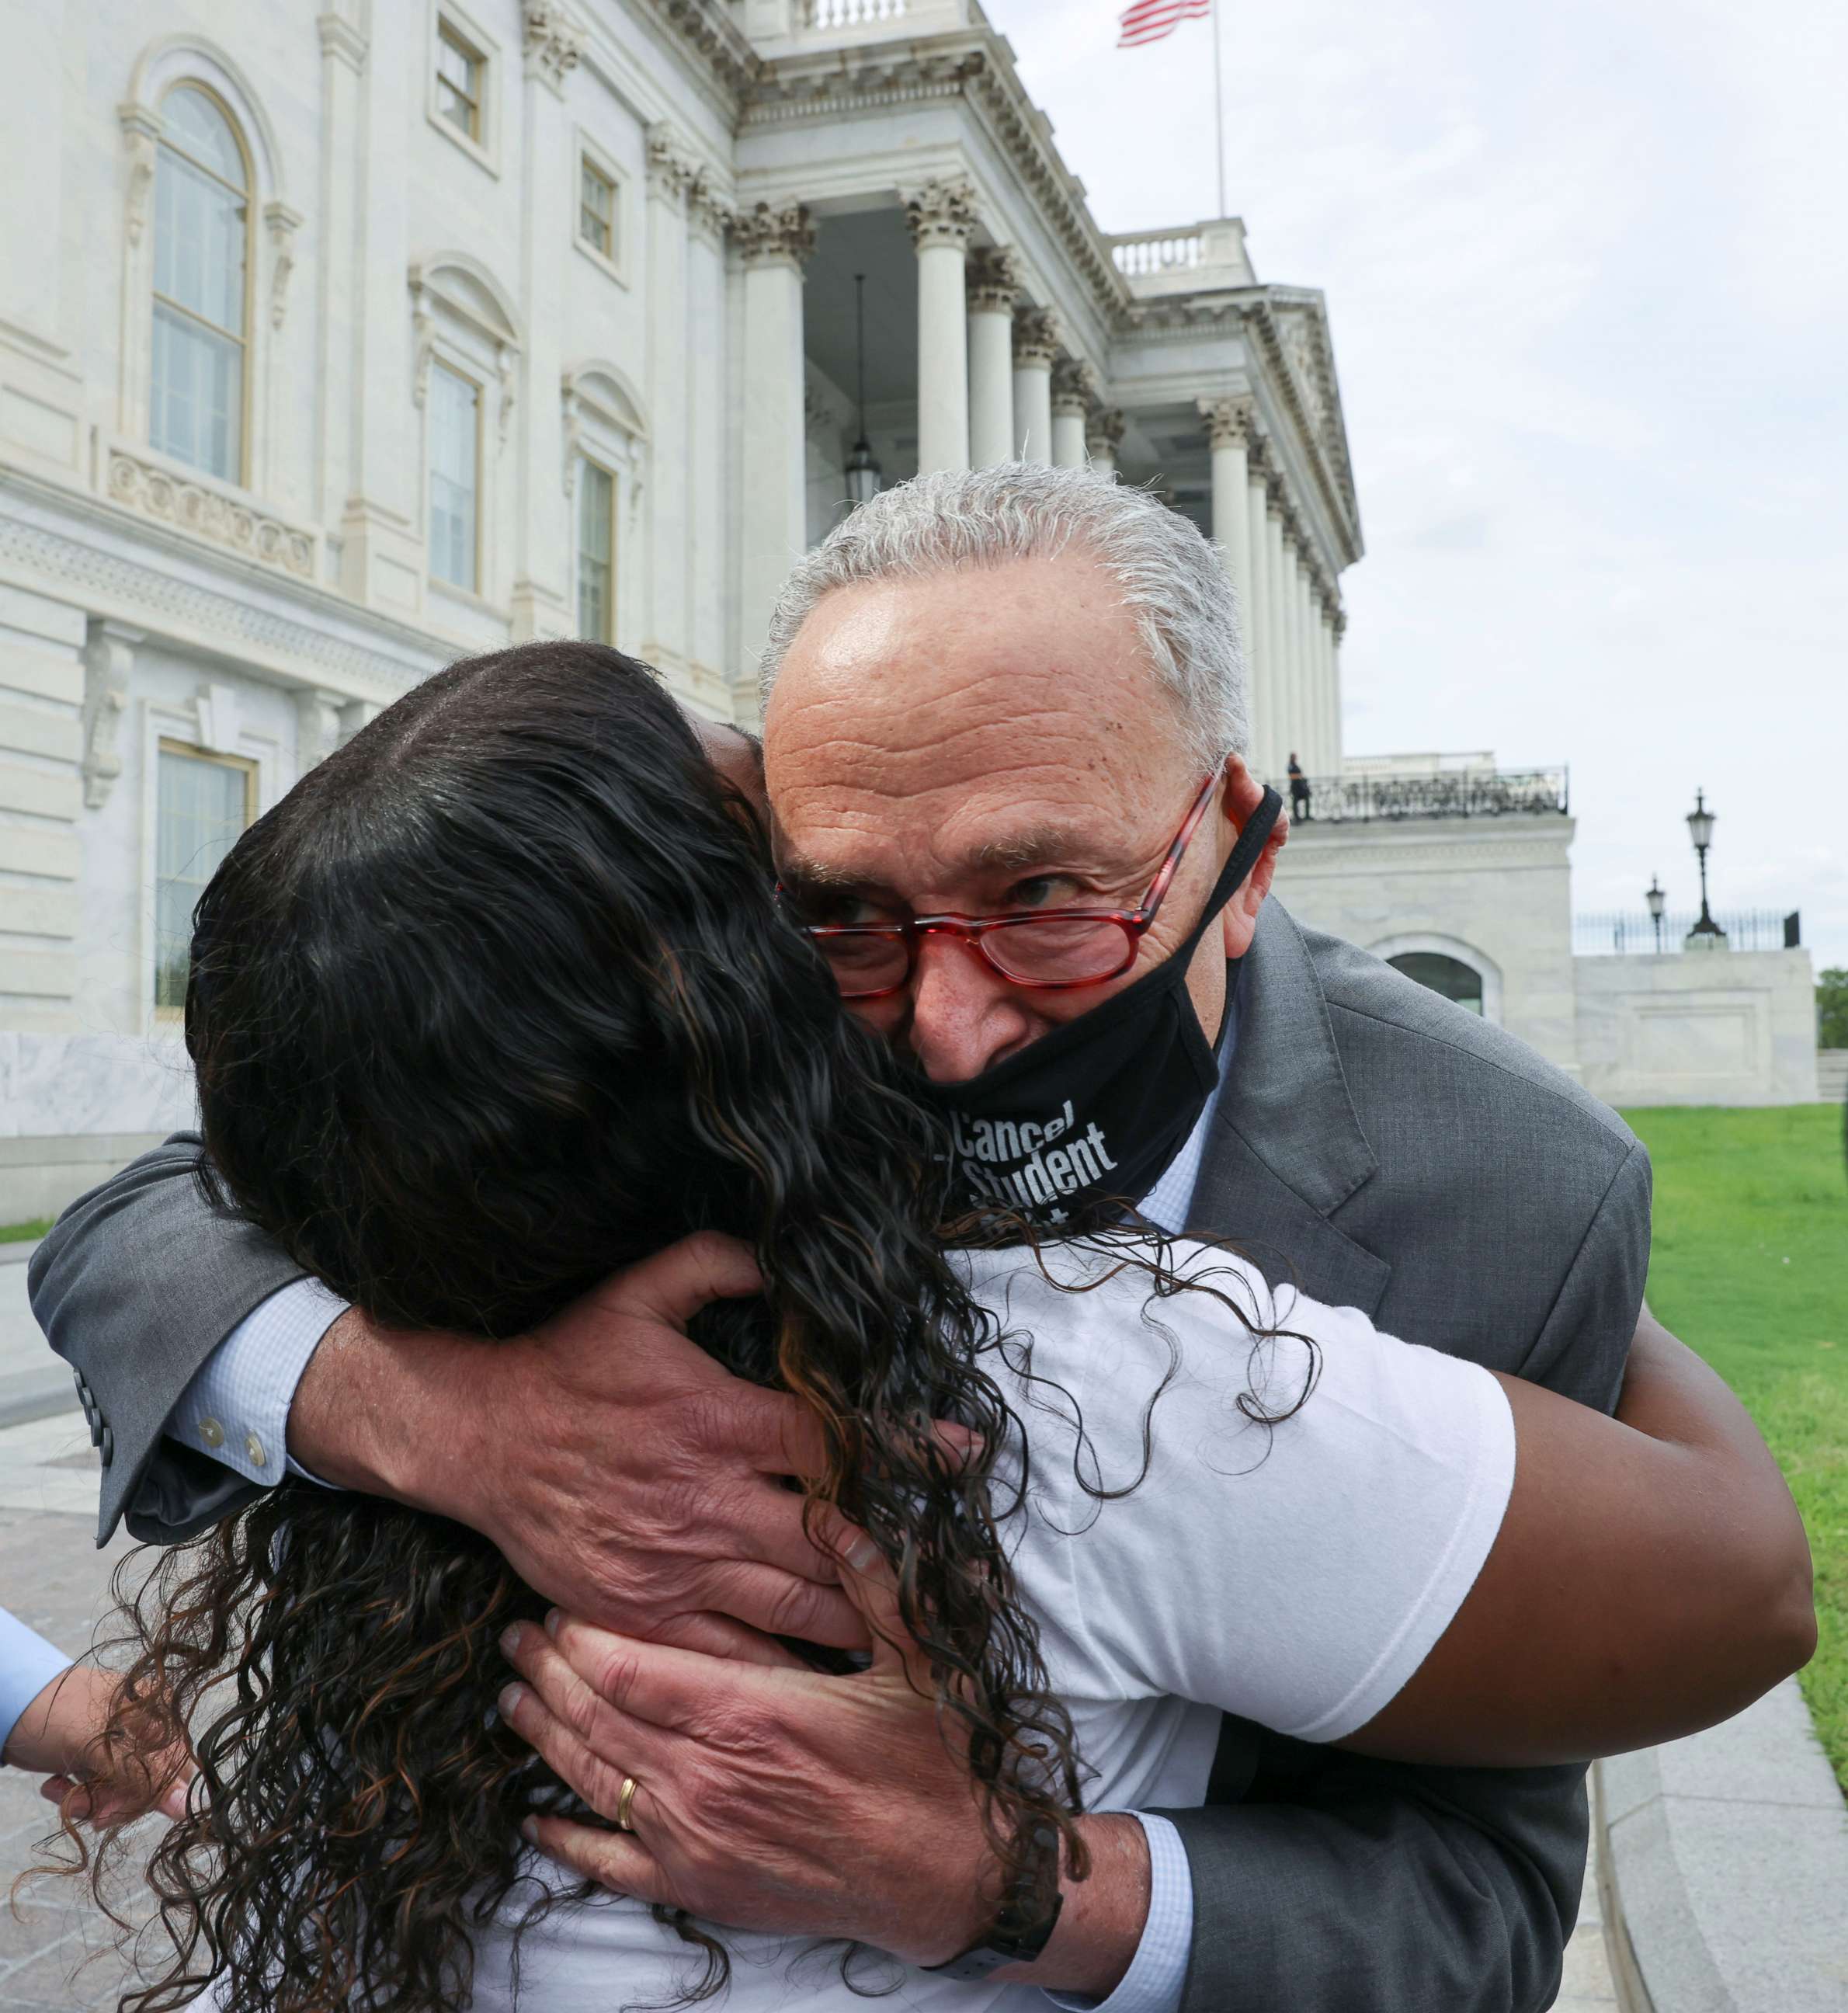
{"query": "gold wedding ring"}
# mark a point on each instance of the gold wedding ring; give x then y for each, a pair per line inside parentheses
(623, 1801)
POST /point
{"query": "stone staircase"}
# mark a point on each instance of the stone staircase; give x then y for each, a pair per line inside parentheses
(1831, 1075)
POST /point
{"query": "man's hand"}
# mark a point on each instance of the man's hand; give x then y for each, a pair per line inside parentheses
(622, 1472)
(57, 1732)
(794, 1803)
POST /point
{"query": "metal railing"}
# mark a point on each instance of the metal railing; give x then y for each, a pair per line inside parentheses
(1633, 934)
(1476, 793)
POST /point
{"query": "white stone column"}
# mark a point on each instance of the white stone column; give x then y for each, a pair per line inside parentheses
(662, 629)
(1073, 392)
(1103, 437)
(707, 324)
(343, 63)
(1302, 675)
(1035, 345)
(1229, 433)
(1264, 741)
(1282, 697)
(1337, 628)
(544, 598)
(994, 288)
(775, 244)
(941, 216)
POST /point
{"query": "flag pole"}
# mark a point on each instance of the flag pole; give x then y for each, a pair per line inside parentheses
(1219, 100)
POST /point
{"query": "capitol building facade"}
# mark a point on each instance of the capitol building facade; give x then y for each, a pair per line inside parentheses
(338, 342)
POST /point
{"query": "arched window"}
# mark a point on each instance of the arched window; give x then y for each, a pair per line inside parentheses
(202, 261)
(1448, 976)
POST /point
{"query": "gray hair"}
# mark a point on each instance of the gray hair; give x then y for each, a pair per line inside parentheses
(1173, 581)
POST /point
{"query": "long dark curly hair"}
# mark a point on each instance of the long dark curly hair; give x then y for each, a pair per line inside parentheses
(495, 1002)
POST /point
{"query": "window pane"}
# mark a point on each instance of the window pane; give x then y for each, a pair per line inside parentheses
(197, 410)
(196, 127)
(198, 244)
(596, 214)
(201, 807)
(454, 456)
(596, 555)
(458, 82)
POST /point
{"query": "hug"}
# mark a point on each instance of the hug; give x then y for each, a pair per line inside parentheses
(647, 1515)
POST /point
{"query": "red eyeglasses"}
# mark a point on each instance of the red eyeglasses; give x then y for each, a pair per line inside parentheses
(1048, 950)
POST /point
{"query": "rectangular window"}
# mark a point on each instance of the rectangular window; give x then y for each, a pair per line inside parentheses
(459, 68)
(596, 552)
(596, 208)
(203, 803)
(454, 407)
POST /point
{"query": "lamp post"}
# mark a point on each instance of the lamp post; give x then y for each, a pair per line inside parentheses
(862, 471)
(1706, 934)
(1657, 902)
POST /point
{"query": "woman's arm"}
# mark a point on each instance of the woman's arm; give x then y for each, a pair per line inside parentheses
(1651, 1577)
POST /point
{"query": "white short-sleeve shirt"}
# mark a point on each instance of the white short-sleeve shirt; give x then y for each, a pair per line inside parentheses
(1296, 1573)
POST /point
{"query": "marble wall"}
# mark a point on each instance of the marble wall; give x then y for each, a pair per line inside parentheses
(1699, 1027)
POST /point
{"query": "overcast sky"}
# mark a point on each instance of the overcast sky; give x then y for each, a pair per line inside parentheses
(1587, 273)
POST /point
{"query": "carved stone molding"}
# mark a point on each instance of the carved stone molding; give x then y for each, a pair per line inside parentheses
(1103, 432)
(671, 172)
(109, 657)
(158, 597)
(941, 212)
(317, 728)
(343, 37)
(1074, 387)
(140, 135)
(1036, 338)
(283, 222)
(994, 280)
(707, 28)
(1229, 421)
(712, 214)
(506, 364)
(782, 236)
(156, 492)
(554, 39)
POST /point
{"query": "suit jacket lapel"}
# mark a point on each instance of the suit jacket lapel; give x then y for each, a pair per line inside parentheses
(1286, 1148)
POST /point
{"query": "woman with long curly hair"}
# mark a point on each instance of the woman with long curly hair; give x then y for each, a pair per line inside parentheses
(497, 1001)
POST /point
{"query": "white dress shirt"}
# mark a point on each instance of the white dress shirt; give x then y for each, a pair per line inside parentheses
(236, 1409)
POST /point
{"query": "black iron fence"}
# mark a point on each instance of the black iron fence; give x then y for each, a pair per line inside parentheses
(1459, 793)
(1634, 934)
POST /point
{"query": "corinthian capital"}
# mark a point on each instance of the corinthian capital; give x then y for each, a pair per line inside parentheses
(994, 280)
(782, 236)
(555, 39)
(1036, 340)
(1103, 434)
(671, 173)
(941, 212)
(1229, 420)
(1074, 387)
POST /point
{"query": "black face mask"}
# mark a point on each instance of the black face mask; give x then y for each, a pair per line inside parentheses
(1091, 1115)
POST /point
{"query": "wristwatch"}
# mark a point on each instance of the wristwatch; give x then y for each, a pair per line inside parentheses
(1024, 1924)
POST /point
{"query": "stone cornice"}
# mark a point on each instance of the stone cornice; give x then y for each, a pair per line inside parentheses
(707, 30)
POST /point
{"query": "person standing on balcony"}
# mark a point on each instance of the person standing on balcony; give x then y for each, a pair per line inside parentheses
(1298, 789)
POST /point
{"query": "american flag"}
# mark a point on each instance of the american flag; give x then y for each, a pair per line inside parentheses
(1149, 20)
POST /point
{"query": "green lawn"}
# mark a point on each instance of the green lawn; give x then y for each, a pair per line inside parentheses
(17, 1233)
(1750, 1267)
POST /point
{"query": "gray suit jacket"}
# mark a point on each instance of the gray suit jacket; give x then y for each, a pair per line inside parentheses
(1374, 1143)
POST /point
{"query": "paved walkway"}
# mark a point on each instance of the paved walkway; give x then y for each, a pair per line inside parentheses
(52, 1576)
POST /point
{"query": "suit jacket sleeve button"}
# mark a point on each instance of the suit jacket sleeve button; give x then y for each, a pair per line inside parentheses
(109, 1446)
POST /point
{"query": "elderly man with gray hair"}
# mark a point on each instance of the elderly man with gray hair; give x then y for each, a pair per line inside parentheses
(1005, 732)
